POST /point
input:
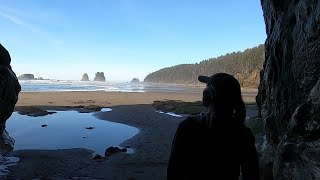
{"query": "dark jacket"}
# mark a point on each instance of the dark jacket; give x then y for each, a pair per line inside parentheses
(218, 149)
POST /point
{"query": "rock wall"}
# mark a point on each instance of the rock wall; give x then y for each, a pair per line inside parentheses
(288, 97)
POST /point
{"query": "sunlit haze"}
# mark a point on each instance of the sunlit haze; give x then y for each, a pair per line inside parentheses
(63, 39)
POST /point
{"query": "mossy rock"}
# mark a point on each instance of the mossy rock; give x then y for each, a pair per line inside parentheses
(179, 107)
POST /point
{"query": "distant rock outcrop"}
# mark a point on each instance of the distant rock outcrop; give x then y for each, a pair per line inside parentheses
(99, 77)
(289, 91)
(85, 77)
(135, 80)
(26, 77)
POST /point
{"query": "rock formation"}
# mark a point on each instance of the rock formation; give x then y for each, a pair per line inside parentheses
(289, 91)
(135, 80)
(99, 77)
(9, 90)
(26, 77)
(85, 77)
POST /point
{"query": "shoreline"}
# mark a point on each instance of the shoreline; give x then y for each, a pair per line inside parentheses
(151, 144)
(74, 98)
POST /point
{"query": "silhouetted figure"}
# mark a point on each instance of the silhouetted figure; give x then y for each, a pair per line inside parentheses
(216, 144)
(9, 88)
(5, 58)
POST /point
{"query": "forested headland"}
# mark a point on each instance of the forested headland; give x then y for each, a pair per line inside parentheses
(245, 66)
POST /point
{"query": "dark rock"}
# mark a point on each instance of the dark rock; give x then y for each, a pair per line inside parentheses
(33, 111)
(85, 77)
(89, 128)
(98, 157)
(9, 90)
(26, 77)
(288, 97)
(112, 150)
(44, 125)
(135, 80)
(100, 77)
(89, 109)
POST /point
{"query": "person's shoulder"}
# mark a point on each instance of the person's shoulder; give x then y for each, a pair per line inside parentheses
(247, 133)
(193, 120)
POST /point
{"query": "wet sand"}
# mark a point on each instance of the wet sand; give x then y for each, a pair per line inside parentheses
(151, 145)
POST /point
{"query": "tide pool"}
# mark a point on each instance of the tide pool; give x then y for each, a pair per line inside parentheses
(67, 129)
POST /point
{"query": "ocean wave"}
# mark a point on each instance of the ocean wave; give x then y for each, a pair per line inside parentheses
(69, 85)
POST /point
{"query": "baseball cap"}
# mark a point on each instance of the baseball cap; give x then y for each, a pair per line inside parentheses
(223, 82)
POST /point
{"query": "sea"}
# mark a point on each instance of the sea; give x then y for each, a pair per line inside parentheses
(72, 85)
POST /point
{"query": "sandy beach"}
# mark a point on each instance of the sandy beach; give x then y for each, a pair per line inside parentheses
(151, 145)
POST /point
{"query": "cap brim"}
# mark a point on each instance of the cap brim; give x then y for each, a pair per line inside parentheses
(204, 79)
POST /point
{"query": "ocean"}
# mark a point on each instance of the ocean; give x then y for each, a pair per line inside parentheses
(71, 85)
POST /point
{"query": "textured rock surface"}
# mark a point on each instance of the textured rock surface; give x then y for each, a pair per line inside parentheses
(85, 77)
(99, 77)
(26, 76)
(288, 97)
(135, 80)
(9, 90)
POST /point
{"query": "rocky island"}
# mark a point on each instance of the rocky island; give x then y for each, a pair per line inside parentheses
(85, 77)
(135, 80)
(100, 77)
(26, 77)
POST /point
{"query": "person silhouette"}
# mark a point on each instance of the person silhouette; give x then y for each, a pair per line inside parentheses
(215, 144)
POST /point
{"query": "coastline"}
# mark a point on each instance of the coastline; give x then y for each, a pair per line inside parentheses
(151, 145)
(103, 99)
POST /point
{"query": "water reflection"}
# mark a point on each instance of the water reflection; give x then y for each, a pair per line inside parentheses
(106, 109)
(170, 113)
(67, 129)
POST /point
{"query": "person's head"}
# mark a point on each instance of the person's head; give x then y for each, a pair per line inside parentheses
(5, 58)
(223, 94)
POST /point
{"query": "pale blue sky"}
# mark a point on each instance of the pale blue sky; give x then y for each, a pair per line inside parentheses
(62, 39)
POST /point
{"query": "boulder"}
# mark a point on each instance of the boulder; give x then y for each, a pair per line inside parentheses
(9, 90)
(112, 150)
(288, 97)
(99, 77)
(85, 77)
(33, 111)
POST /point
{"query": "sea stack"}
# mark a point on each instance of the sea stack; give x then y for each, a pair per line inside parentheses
(100, 77)
(85, 77)
(26, 77)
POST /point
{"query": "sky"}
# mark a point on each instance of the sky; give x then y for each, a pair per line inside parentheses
(63, 39)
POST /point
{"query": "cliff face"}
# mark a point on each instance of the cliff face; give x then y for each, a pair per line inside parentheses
(288, 97)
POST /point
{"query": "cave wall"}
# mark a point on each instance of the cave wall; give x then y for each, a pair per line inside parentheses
(288, 90)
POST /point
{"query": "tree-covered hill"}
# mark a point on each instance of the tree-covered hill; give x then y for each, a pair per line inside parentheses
(245, 66)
